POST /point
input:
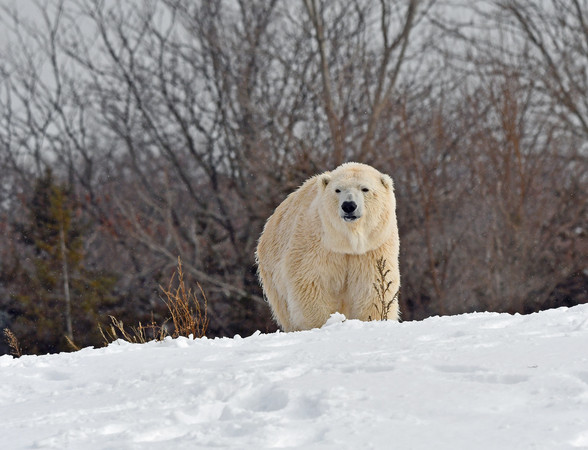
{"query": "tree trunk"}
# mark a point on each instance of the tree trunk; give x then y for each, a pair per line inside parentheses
(68, 325)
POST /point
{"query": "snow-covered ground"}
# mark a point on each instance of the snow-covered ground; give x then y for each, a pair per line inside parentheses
(475, 381)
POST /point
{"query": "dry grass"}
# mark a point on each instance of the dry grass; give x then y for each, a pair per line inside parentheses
(137, 335)
(72, 344)
(13, 343)
(188, 314)
(382, 287)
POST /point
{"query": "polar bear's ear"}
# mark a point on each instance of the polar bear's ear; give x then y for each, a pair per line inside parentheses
(325, 179)
(387, 181)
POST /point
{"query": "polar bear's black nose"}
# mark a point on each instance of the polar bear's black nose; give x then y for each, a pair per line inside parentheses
(348, 207)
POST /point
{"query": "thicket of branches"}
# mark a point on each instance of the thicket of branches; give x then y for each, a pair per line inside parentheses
(175, 127)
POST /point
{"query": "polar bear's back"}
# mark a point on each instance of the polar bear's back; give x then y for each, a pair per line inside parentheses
(281, 225)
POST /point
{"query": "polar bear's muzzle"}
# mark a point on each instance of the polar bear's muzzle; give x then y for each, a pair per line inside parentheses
(350, 211)
(350, 204)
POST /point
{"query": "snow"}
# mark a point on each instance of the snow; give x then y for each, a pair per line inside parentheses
(482, 380)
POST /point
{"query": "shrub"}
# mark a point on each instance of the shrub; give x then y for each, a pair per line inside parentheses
(382, 287)
(188, 314)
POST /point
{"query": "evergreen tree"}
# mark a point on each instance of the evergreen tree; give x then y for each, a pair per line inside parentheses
(59, 298)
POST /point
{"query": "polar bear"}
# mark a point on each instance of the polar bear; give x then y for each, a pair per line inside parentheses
(318, 251)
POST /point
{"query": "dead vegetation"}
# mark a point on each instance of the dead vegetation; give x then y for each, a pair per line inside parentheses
(188, 316)
(382, 287)
(13, 343)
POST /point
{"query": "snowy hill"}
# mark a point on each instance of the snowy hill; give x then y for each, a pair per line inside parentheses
(475, 381)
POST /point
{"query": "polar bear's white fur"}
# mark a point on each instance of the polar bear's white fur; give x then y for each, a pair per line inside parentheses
(318, 251)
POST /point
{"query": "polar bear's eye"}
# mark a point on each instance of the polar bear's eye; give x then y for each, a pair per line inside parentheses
(365, 190)
(338, 191)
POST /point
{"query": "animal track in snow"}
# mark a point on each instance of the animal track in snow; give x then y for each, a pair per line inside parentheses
(482, 375)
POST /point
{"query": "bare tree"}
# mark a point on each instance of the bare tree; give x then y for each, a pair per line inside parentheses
(555, 34)
(344, 71)
(180, 125)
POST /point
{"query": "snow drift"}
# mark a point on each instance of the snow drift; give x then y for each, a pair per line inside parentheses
(480, 380)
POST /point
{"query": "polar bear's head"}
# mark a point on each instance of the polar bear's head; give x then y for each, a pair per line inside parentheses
(357, 208)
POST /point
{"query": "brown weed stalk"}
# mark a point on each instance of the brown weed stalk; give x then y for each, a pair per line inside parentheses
(13, 343)
(382, 287)
(189, 314)
(136, 335)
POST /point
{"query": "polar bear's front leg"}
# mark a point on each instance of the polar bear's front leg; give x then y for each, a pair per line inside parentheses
(309, 305)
